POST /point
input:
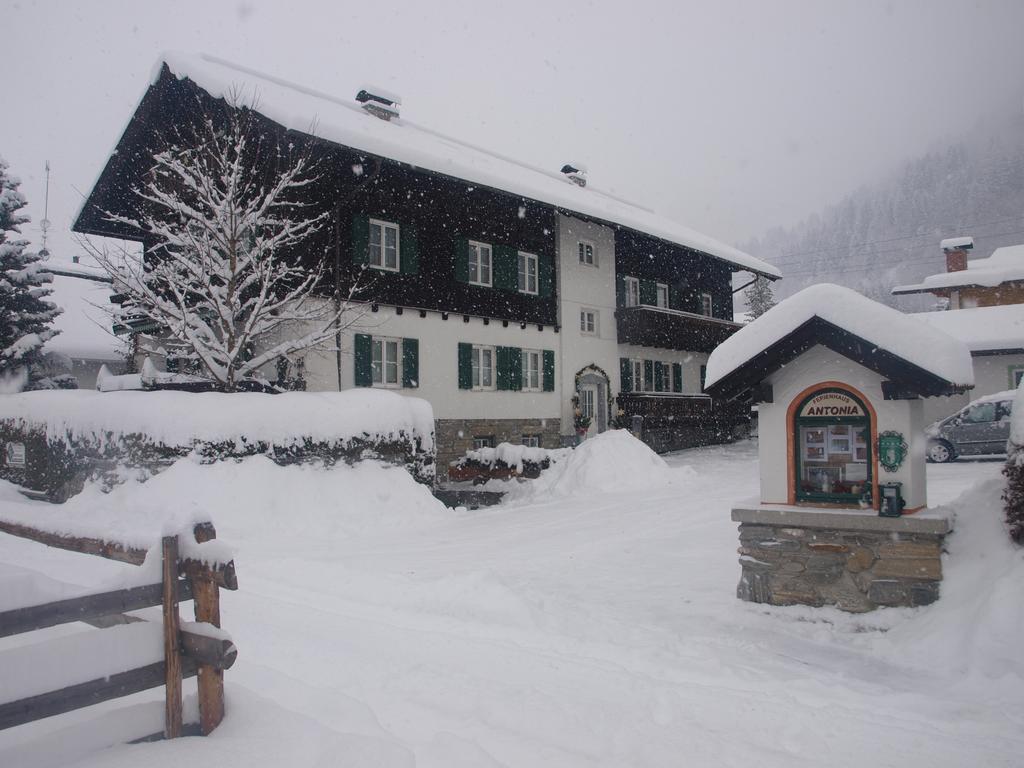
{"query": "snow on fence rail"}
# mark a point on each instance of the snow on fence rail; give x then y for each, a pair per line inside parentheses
(196, 649)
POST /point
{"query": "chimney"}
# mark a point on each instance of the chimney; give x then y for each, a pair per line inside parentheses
(378, 102)
(956, 249)
(577, 174)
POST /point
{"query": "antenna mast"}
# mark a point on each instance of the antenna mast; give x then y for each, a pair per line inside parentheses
(44, 225)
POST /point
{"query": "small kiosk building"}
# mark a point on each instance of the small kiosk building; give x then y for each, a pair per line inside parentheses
(842, 516)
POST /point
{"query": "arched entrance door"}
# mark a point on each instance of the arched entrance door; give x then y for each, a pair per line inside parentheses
(832, 440)
(592, 391)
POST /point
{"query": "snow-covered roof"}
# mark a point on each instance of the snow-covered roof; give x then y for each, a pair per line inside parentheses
(345, 122)
(85, 328)
(982, 329)
(1003, 266)
(888, 329)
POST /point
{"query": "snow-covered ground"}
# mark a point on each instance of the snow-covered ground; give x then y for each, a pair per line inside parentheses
(590, 620)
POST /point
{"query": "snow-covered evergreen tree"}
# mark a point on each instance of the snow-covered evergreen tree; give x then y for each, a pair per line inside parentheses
(759, 297)
(224, 205)
(25, 315)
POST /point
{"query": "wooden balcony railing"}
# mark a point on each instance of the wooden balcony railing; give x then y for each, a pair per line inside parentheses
(671, 329)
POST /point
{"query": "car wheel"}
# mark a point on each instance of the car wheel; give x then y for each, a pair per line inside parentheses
(941, 452)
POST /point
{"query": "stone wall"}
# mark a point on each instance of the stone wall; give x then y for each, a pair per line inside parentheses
(455, 436)
(856, 561)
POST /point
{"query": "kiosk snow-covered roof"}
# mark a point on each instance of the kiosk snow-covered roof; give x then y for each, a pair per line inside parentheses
(913, 356)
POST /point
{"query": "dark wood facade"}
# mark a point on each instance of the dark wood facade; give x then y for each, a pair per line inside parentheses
(671, 329)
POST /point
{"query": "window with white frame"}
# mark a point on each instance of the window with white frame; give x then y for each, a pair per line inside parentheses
(483, 441)
(638, 375)
(632, 292)
(706, 307)
(588, 322)
(531, 370)
(588, 254)
(385, 362)
(483, 367)
(531, 441)
(384, 245)
(662, 297)
(527, 273)
(479, 263)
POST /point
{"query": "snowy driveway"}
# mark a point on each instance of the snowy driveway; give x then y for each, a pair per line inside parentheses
(597, 630)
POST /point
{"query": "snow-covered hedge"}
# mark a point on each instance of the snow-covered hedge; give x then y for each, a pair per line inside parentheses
(1013, 495)
(73, 434)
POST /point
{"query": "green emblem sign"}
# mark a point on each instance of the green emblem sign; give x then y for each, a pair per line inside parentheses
(892, 450)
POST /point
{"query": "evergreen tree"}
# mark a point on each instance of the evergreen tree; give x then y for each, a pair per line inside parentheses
(25, 315)
(759, 297)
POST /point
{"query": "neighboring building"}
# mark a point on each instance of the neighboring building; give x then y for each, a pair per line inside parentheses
(507, 296)
(85, 341)
(985, 311)
(995, 337)
(990, 282)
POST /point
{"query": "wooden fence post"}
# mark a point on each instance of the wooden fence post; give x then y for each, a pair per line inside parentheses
(172, 654)
(206, 600)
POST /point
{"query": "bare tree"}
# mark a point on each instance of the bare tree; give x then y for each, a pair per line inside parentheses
(226, 205)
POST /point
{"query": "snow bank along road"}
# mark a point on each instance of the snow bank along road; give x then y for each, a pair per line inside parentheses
(590, 621)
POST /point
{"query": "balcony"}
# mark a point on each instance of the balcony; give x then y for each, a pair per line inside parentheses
(672, 329)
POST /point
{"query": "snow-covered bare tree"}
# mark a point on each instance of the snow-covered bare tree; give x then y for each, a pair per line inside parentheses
(25, 315)
(759, 297)
(226, 209)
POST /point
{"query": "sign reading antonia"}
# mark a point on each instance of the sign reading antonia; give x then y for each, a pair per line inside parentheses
(831, 405)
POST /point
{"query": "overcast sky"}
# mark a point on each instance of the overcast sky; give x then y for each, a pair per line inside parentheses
(731, 117)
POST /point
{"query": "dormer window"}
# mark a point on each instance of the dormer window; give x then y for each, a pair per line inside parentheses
(383, 248)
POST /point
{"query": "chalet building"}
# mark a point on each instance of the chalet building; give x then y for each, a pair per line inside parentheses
(512, 298)
(985, 311)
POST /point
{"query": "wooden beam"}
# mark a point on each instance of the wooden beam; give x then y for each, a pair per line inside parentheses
(87, 608)
(223, 575)
(172, 657)
(208, 651)
(207, 609)
(83, 544)
(88, 693)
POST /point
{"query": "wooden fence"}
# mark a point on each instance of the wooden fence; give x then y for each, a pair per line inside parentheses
(187, 652)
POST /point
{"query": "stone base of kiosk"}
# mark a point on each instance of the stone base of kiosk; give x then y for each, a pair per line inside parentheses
(852, 559)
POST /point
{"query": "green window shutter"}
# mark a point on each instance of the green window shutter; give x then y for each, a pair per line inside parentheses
(461, 259)
(465, 366)
(545, 276)
(410, 363)
(626, 374)
(410, 250)
(703, 375)
(648, 292)
(659, 376)
(648, 375)
(675, 299)
(620, 290)
(515, 368)
(501, 368)
(361, 239)
(677, 377)
(505, 273)
(363, 360)
(548, 371)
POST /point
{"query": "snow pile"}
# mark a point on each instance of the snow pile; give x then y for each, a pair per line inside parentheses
(975, 629)
(612, 462)
(889, 329)
(183, 418)
(514, 455)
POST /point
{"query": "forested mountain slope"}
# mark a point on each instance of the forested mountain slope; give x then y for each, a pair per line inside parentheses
(889, 233)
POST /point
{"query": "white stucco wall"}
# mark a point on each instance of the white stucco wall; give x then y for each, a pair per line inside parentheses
(818, 365)
(592, 287)
(992, 373)
(438, 363)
